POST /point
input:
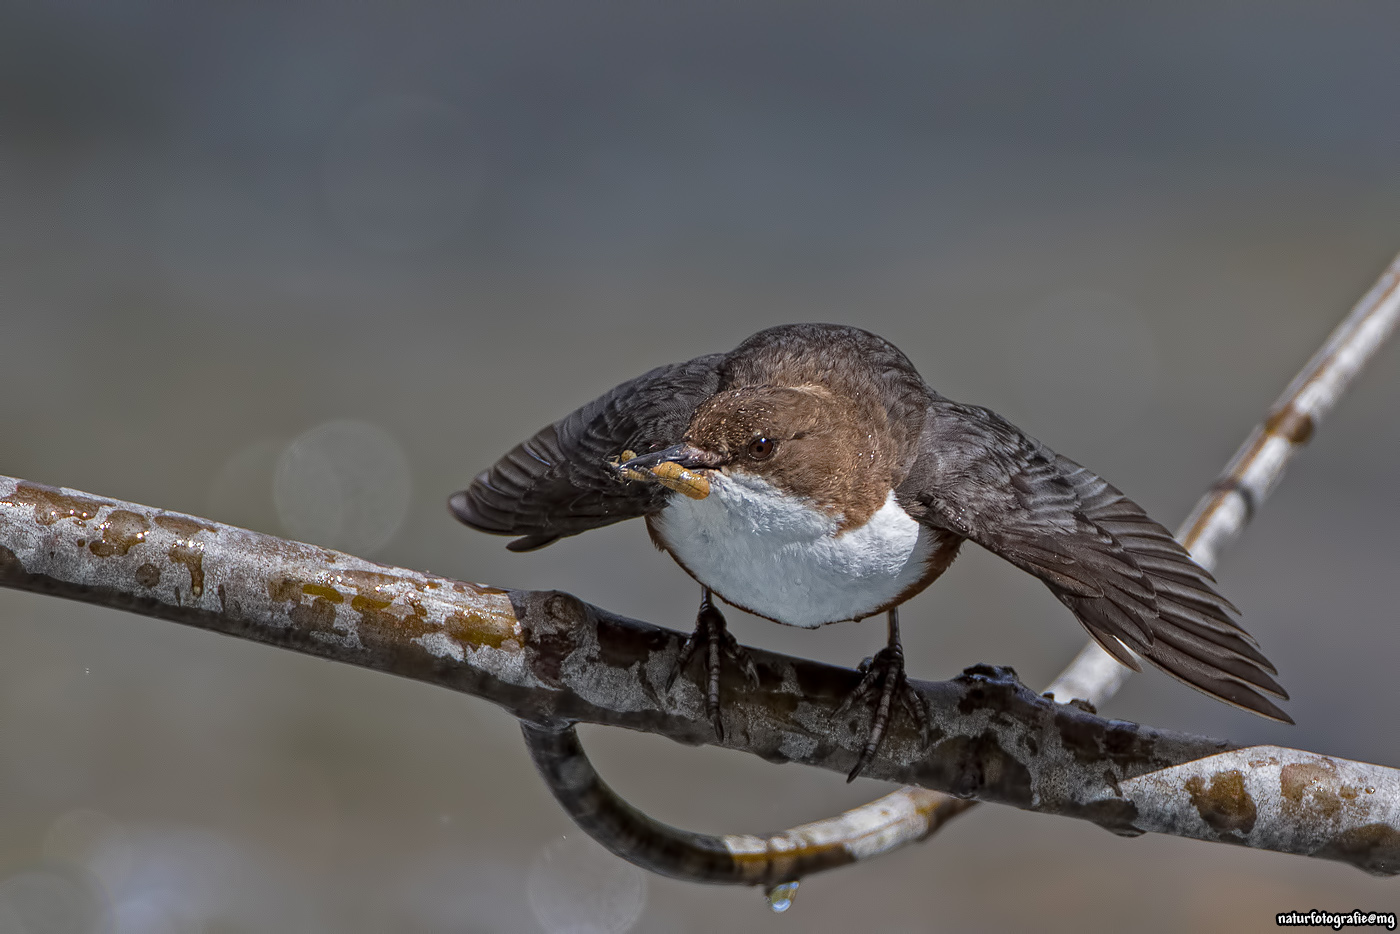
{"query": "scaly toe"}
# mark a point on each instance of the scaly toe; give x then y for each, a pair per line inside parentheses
(885, 672)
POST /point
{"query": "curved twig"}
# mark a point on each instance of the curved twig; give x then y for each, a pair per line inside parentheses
(740, 859)
(912, 814)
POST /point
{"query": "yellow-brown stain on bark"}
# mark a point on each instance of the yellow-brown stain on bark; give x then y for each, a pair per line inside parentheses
(375, 612)
(284, 590)
(384, 610)
(412, 623)
(1297, 778)
(1225, 806)
(316, 616)
(373, 581)
(191, 555)
(122, 530)
(52, 504)
(1290, 423)
(480, 630)
(321, 590)
(183, 526)
(371, 609)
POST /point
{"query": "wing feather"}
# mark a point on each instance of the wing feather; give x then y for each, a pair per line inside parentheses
(559, 482)
(1125, 578)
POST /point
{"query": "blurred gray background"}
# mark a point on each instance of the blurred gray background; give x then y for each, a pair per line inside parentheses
(308, 268)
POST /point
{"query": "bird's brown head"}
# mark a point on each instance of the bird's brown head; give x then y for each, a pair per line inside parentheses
(828, 448)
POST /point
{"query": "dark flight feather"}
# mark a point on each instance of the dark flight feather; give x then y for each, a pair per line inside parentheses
(558, 482)
(1123, 576)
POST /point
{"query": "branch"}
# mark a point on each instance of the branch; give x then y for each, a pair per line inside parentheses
(913, 814)
(552, 660)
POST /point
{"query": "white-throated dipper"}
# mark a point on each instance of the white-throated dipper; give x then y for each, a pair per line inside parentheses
(811, 476)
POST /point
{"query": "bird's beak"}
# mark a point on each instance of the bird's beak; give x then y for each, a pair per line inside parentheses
(682, 455)
(672, 468)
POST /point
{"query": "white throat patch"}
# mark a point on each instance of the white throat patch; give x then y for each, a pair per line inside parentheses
(780, 557)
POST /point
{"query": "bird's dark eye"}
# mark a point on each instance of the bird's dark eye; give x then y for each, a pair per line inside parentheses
(761, 448)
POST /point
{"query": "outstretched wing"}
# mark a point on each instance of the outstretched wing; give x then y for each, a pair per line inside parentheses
(559, 483)
(1123, 575)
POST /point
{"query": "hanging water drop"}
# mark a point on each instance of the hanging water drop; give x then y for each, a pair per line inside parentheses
(780, 896)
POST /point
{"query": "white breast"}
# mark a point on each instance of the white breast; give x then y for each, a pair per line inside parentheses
(784, 559)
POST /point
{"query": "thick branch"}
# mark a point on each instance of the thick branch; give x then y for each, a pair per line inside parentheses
(551, 659)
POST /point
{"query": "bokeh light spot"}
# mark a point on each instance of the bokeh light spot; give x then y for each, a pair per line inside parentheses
(577, 887)
(343, 484)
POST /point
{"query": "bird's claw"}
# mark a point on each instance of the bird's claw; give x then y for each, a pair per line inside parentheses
(885, 672)
(712, 634)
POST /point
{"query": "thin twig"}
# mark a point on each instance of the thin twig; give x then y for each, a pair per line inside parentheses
(912, 814)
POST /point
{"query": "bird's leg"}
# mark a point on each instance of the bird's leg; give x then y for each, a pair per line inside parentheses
(885, 671)
(712, 634)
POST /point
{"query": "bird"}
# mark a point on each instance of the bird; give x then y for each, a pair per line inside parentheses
(811, 476)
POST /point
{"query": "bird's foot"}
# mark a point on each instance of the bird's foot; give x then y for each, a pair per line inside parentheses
(884, 673)
(712, 634)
